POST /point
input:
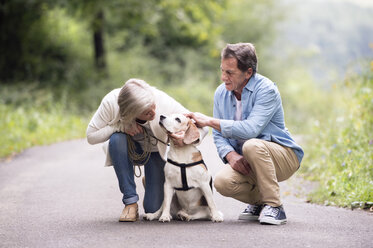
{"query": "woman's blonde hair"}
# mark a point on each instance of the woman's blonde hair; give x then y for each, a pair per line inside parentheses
(135, 97)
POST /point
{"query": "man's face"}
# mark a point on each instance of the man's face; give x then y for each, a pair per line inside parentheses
(234, 78)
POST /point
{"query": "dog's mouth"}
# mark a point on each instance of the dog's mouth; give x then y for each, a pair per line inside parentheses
(164, 128)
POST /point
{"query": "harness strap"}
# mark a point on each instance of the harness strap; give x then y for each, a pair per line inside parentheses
(183, 172)
(184, 179)
(186, 165)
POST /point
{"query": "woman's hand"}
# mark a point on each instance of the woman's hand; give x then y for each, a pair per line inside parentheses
(177, 138)
(238, 163)
(133, 129)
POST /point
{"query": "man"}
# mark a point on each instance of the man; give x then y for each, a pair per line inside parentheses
(250, 135)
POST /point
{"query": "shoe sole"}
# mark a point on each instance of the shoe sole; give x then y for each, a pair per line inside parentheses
(250, 217)
(129, 220)
(271, 221)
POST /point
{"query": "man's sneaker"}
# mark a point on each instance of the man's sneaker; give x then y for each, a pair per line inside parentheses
(272, 215)
(251, 212)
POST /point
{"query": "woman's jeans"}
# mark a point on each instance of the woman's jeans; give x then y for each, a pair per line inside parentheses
(154, 174)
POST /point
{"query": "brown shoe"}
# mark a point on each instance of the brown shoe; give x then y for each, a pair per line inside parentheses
(130, 213)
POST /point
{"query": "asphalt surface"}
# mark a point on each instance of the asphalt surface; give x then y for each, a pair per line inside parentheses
(62, 196)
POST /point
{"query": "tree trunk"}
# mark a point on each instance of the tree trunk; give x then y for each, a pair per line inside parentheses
(98, 39)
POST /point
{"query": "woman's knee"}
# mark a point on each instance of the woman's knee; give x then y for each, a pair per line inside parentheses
(118, 142)
(153, 199)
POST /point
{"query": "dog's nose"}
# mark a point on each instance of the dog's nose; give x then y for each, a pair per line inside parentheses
(162, 117)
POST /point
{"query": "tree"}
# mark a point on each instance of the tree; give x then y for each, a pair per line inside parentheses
(18, 40)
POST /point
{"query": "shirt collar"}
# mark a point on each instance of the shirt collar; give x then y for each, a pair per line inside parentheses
(251, 84)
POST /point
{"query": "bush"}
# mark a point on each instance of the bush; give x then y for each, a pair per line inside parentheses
(30, 116)
(340, 150)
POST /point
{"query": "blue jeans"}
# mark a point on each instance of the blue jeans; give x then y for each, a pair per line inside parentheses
(124, 170)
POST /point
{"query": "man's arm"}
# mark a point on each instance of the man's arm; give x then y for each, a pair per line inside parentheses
(266, 104)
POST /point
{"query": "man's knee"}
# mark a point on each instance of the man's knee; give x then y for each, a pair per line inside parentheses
(252, 148)
(224, 185)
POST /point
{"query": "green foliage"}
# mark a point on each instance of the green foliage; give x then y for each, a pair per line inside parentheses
(305, 104)
(165, 23)
(340, 149)
(255, 22)
(30, 116)
(41, 44)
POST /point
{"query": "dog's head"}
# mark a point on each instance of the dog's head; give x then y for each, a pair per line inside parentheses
(178, 123)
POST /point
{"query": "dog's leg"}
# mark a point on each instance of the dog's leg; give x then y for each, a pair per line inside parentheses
(198, 213)
(153, 216)
(216, 216)
(168, 193)
(183, 215)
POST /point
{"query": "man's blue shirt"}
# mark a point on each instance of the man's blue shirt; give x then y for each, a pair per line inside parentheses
(262, 117)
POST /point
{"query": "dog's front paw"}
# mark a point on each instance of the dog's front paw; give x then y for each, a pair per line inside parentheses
(217, 217)
(182, 215)
(165, 218)
(148, 216)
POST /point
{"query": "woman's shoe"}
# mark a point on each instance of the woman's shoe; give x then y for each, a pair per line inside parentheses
(130, 213)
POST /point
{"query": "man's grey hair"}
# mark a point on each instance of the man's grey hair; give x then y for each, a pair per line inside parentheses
(135, 97)
(244, 53)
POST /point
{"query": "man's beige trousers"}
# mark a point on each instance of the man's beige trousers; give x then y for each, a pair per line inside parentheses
(270, 163)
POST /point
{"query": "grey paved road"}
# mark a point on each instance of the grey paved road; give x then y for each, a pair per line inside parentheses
(62, 196)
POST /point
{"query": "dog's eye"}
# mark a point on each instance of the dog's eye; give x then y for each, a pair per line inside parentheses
(178, 119)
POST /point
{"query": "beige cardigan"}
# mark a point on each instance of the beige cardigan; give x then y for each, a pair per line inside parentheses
(105, 121)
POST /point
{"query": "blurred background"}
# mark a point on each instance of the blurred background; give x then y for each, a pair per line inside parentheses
(59, 58)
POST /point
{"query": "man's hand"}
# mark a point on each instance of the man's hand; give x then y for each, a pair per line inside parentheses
(238, 163)
(200, 119)
(204, 120)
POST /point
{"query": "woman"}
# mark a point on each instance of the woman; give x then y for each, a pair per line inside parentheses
(128, 118)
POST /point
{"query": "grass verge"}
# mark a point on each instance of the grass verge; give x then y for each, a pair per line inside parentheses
(34, 120)
(339, 151)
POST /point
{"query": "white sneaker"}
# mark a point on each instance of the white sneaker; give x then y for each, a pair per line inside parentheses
(272, 215)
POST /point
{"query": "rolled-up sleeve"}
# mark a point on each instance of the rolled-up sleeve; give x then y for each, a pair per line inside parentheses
(222, 144)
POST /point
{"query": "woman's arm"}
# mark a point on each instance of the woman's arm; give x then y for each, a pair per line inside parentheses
(105, 121)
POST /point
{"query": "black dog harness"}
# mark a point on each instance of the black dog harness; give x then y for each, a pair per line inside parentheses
(183, 173)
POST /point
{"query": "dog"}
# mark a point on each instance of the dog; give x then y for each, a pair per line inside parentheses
(188, 184)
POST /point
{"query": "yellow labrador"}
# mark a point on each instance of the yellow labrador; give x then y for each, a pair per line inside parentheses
(186, 176)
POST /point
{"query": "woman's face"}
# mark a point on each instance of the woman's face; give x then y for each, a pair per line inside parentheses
(147, 115)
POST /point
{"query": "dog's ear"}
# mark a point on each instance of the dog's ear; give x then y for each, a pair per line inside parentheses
(191, 134)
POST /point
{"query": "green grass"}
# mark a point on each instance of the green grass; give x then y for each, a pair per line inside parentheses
(339, 150)
(34, 120)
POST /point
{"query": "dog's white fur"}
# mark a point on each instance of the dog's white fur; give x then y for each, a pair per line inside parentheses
(190, 203)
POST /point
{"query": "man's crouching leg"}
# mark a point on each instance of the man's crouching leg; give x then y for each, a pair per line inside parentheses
(231, 183)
